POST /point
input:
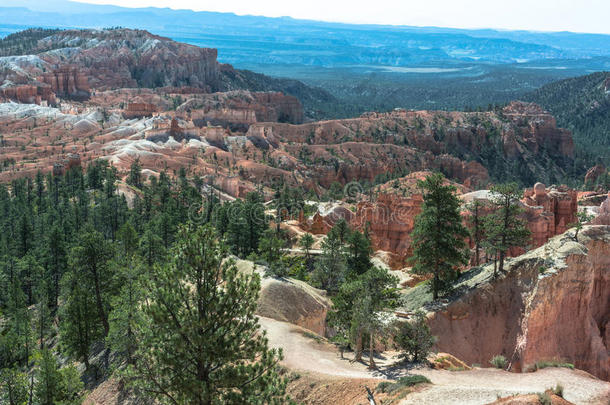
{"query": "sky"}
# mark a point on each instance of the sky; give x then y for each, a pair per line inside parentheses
(539, 15)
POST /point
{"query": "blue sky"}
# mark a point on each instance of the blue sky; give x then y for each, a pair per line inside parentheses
(541, 15)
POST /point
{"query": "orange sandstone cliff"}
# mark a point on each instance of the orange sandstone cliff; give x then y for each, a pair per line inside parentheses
(552, 303)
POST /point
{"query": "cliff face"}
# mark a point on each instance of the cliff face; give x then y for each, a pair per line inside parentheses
(72, 62)
(549, 212)
(534, 129)
(553, 303)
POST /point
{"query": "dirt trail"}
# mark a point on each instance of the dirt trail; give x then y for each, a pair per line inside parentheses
(306, 354)
(478, 386)
(482, 386)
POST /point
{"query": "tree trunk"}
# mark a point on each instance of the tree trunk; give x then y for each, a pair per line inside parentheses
(501, 262)
(372, 365)
(358, 355)
(100, 305)
(435, 286)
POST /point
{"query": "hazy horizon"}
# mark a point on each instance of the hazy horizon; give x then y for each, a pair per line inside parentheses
(588, 16)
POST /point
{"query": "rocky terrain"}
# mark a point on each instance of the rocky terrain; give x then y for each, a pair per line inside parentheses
(127, 96)
(74, 64)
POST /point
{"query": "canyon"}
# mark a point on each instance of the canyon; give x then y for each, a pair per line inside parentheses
(128, 96)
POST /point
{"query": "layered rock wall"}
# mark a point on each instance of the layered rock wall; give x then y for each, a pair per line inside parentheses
(553, 303)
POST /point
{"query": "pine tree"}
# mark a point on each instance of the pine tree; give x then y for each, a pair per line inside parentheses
(331, 267)
(357, 307)
(306, 242)
(504, 229)
(271, 250)
(126, 315)
(54, 385)
(135, 174)
(359, 252)
(48, 378)
(80, 325)
(414, 338)
(13, 387)
(201, 342)
(438, 236)
(91, 256)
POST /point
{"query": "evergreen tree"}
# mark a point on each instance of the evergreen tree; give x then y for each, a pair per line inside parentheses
(358, 305)
(135, 174)
(48, 378)
(271, 251)
(246, 223)
(55, 386)
(13, 387)
(414, 338)
(359, 252)
(331, 267)
(80, 325)
(183, 355)
(438, 235)
(504, 228)
(306, 242)
(91, 255)
(126, 315)
(582, 217)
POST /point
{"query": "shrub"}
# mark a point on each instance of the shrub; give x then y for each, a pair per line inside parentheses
(499, 361)
(558, 390)
(403, 382)
(539, 365)
(545, 399)
(415, 338)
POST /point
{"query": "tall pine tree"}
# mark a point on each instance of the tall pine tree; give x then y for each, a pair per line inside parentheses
(438, 237)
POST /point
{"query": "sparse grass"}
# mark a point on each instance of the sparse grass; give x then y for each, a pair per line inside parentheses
(452, 368)
(499, 361)
(539, 365)
(403, 382)
(311, 335)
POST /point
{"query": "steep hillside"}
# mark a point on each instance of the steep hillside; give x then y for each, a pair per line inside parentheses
(582, 105)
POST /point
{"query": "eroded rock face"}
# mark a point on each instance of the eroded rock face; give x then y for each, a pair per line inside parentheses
(553, 303)
(593, 173)
(603, 217)
(390, 221)
(295, 302)
(549, 212)
(70, 63)
(534, 129)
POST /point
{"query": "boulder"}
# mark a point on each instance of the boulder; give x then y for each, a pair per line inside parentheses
(295, 302)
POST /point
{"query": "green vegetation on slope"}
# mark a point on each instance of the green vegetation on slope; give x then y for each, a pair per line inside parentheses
(23, 42)
(582, 105)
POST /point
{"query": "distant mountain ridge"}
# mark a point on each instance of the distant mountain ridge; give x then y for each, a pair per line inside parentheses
(288, 40)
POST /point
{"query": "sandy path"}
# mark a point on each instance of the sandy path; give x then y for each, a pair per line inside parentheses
(305, 354)
(482, 386)
(478, 386)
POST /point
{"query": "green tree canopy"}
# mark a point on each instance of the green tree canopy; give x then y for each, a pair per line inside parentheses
(438, 237)
(201, 342)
